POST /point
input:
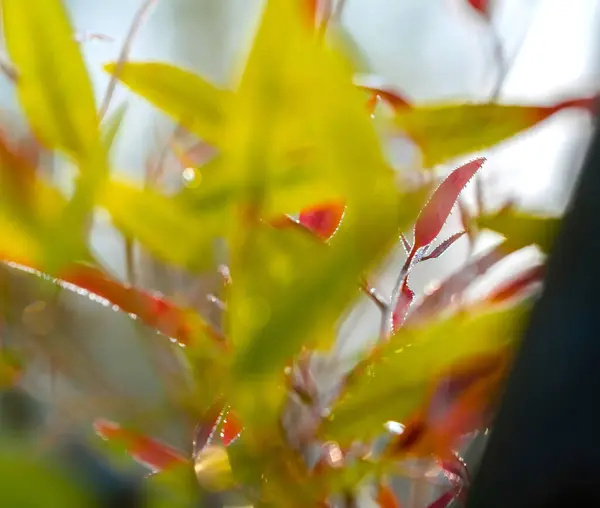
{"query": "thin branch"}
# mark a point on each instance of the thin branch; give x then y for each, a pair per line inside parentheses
(8, 70)
(136, 24)
(375, 296)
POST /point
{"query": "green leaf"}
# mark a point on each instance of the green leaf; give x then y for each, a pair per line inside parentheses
(162, 225)
(289, 290)
(186, 97)
(21, 469)
(53, 86)
(393, 385)
(521, 229)
(447, 131)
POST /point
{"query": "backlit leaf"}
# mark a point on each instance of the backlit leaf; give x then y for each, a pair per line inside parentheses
(481, 6)
(323, 220)
(448, 131)
(444, 246)
(53, 86)
(150, 452)
(386, 497)
(438, 300)
(394, 385)
(435, 213)
(521, 229)
(517, 285)
(162, 225)
(188, 98)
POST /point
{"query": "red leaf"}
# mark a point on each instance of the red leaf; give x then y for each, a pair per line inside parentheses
(442, 247)
(435, 213)
(155, 454)
(444, 500)
(323, 220)
(436, 301)
(155, 311)
(481, 6)
(405, 243)
(512, 288)
(393, 98)
(386, 498)
(403, 305)
(221, 425)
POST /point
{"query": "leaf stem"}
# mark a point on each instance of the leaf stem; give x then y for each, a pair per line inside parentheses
(137, 22)
(387, 321)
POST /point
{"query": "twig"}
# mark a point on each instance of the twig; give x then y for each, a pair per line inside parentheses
(8, 70)
(375, 296)
(137, 22)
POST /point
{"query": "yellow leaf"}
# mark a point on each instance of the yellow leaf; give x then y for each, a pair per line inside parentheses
(444, 132)
(16, 244)
(521, 229)
(53, 86)
(394, 384)
(186, 97)
(290, 290)
(162, 225)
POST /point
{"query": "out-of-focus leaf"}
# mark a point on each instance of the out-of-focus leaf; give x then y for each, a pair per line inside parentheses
(29, 481)
(150, 452)
(163, 225)
(11, 368)
(439, 299)
(323, 220)
(444, 500)
(57, 97)
(154, 310)
(435, 213)
(54, 91)
(392, 97)
(213, 469)
(448, 131)
(395, 383)
(459, 402)
(444, 246)
(186, 97)
(289, 288)
(386, 497)
(521, 229)
(111, 126)
(481, 6)
(517, 285)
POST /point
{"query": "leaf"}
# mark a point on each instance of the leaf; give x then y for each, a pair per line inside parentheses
(323, 220)
(437, 301)
(149, 452)
(435, 213)
(445, 132)
(444, 246)
(154, 310)
(444, 500)
(520, 229)
(395, 383)
(189, 99)
(459, 402)
(386, 497)
(21, 472)
(55, 93)
(481, 6)
(517, 285)
(392, 97)
(57, 97)
(163, 225)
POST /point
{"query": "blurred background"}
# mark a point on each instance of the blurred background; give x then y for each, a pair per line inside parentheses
(430, 50)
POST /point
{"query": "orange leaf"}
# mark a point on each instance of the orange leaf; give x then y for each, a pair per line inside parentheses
(393, 98)
(155, 454)
(323, 220)
(386, 498)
